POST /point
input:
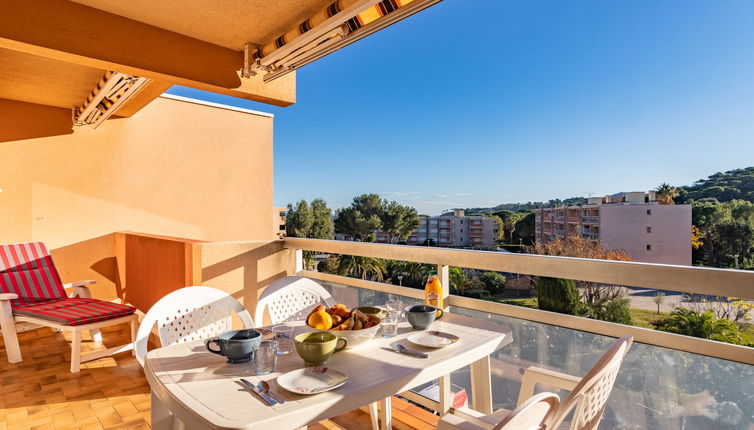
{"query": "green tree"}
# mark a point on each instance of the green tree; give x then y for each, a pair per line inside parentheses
(362, 218)
(666, 193)
(322, 224)
(617, 310)
(704, 325)
(524, 232)
(398, 221)
(493, 281)
(329, 265)
(362, 267)
(313, 221)
(734, 240)
(508, 220)
(299, 219)
(557, 295)
(724, 187)
(415, 273)
(458, 280)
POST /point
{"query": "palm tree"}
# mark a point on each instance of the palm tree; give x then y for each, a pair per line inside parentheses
(666, 193)
(362, 267)
(415, 271)
(704, 325)
(458, 280)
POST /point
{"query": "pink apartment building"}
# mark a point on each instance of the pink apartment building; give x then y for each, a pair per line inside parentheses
(634, 221)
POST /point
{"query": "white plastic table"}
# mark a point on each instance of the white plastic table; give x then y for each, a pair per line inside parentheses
(202, 390)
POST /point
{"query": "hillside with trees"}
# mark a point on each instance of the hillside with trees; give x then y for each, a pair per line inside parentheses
(732, 185)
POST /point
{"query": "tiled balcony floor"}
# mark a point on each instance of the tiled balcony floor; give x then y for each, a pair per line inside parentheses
(41, 393)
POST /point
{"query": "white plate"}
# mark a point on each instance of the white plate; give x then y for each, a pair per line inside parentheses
(312, 380)
(429, 340)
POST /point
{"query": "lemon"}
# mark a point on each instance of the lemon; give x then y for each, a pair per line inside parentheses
(320, 320)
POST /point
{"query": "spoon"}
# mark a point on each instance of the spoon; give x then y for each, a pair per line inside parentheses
(264, 386)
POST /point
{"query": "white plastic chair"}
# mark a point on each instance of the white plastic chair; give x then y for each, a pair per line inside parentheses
(534, 414)
(188, 314)
(588, 397)
(291, 298)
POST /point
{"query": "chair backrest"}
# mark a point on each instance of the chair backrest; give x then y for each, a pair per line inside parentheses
(534, 414)
(26, 269)
(291, 298)
(589, 398)
(188, 314)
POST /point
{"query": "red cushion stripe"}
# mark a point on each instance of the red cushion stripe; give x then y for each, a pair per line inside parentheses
(32, 278)
(27, 269)
(75, 311)
(22, 288)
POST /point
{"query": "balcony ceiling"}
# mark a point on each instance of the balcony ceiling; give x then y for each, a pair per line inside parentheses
(228, 23)
(33, 79)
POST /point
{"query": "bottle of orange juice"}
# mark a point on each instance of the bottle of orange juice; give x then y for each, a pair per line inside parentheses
(433, 292)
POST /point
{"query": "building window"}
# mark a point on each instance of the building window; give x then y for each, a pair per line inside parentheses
(649, 247)
(649, 229)
(649, 211)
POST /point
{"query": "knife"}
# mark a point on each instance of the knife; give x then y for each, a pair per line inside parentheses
(408, 351)
(254, 388)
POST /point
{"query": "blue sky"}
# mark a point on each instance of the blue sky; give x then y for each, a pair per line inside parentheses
(479, 102)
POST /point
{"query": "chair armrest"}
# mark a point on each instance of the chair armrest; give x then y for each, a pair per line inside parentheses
(79, 288)
(469, 419)
(537, 375)
(8, 296)
(79, 284)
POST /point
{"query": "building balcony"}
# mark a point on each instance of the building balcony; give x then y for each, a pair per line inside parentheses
(590, 219)
(112, 391)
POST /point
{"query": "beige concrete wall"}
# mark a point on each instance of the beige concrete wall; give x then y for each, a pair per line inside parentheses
(242, 269)
(625, 226)
(175, 169)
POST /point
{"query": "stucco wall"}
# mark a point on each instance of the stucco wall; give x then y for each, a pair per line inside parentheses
(174, 169)
(625, 226)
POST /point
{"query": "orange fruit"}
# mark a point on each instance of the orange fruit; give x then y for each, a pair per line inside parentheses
(320, 320)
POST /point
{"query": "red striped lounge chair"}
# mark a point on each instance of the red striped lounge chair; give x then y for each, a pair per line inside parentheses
(31, 292)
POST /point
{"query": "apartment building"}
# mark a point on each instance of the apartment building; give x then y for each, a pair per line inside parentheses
(451, 231)
(632, 221)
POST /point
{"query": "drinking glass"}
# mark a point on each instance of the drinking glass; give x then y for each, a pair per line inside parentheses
(394, 306)
(265, 357)
(284, 337)
(390, 324)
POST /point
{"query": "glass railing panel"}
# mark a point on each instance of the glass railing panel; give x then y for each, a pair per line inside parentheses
(657, 388)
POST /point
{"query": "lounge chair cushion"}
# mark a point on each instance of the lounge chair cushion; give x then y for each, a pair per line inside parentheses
(26, 269)
(74, 311)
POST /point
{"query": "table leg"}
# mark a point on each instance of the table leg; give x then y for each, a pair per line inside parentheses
(481, 386)
(386, 419)
(374, 415)
(162, 418)
(445, 395)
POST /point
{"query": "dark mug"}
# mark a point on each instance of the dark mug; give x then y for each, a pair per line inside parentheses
(237, 346)
(422, 316)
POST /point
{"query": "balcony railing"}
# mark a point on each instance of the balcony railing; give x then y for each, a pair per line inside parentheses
(590, 219)
(666, 374)
(685, 279)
